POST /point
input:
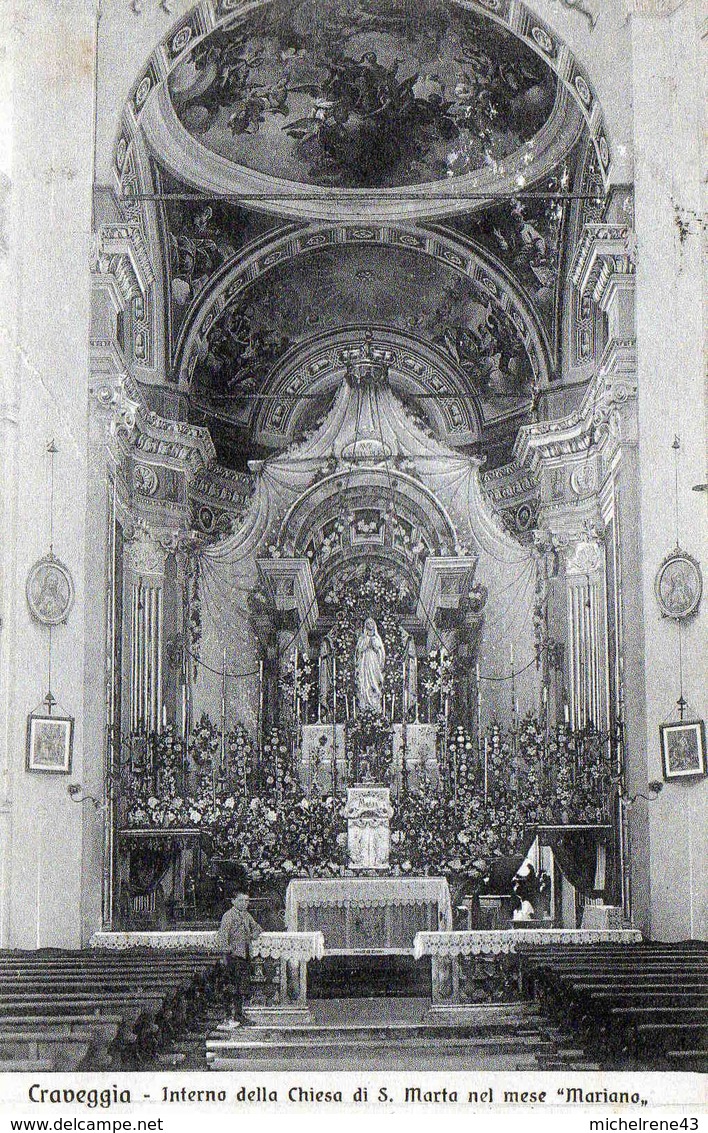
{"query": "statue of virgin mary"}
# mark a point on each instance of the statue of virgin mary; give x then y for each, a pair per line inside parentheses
(370, 658)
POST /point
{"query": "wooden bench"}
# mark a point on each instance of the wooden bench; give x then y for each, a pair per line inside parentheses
(67, 1052)
(93, 1010)
(629, 1004)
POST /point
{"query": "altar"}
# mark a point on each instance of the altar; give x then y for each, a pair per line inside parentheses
(368, 915)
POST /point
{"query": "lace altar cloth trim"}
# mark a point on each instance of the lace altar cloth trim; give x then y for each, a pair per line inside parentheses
(185, 939)
(368, 892)
(289, 945)
(503, 941)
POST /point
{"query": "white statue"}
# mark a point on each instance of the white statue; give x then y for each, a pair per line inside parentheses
(370, 659)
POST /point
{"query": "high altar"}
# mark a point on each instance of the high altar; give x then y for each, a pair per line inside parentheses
(368, 914)
(363, 915)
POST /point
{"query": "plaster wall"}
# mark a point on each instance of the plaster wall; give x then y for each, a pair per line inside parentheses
(45, 378)
(670, 334)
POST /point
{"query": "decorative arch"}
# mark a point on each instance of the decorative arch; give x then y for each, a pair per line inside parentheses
(487, 276)
(415, 369)
(367, 513)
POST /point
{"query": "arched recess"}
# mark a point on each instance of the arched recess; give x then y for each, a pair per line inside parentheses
(414, 368)
(487, 276)
(374, 513)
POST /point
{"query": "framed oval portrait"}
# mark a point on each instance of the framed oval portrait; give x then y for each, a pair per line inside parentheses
(678, 585)
(50, 591)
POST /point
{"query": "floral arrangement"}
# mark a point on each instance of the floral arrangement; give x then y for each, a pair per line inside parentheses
(255, 811)
(437, 680)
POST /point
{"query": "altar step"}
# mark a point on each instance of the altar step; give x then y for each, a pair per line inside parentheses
(369, 977)
(396, 1035)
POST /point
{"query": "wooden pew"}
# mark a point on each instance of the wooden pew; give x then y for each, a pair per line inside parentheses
(628, 1004)
(67, 1052)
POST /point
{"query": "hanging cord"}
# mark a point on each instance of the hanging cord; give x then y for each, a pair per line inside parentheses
(52, 450)
(676, 446)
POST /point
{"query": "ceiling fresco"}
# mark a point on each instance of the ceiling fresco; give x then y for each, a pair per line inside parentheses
(526, 234)
(201, 236)
(355, 286)
(373, 94)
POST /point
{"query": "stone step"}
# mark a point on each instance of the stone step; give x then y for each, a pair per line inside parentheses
(388, 1059)
(396, 1032)
(243, 1048)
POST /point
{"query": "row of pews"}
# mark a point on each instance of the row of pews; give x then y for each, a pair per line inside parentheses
(99, 1010)
(636, 1006)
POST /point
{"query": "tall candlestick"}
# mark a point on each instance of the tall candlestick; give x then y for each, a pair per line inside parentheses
(486, 769)
(334, 725)
(222, 758)
(260, 710)
(479, 710)
(295, 666)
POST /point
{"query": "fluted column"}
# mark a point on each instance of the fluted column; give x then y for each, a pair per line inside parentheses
(146, 562)
(587, 635)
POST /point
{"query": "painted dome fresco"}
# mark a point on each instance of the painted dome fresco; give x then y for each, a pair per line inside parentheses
(370, 94)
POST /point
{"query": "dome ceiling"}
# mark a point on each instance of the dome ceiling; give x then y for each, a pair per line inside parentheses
(328, 169)
(372, 95)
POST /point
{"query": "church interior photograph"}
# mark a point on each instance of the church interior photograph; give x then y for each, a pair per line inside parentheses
(352, 535)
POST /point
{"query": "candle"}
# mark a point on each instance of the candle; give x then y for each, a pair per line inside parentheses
(566, 713)
(486, 769)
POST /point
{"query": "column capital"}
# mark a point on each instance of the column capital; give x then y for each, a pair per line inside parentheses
(585, 558)
(147, 552)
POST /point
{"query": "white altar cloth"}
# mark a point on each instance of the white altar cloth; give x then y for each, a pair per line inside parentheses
(368, 914)
(501, 941)
(182, 938)
(294, 946)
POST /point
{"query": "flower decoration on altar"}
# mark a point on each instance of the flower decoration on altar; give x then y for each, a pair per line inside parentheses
(251, 806)
(369, 748)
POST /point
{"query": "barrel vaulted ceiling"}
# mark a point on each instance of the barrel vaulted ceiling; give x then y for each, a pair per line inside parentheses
(326, 171)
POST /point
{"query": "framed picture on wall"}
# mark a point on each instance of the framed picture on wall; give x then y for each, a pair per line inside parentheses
(49, 744)
(683, 749)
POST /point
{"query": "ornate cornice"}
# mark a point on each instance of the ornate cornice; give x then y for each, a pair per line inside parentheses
(142, 431)
(293, 588)
(592, 425)
(119, 251)
(113, 389)
(605, 250)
